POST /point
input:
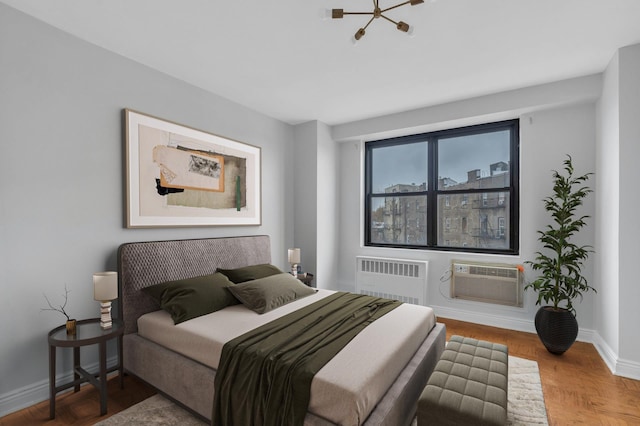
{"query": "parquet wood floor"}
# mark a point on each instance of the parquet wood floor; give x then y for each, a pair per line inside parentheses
(578, 387)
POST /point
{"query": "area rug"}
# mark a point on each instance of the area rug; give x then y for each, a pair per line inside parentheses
(526, 403)
(526, 400)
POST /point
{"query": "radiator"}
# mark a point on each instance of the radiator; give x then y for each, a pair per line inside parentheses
(485, 282)
(399, 279)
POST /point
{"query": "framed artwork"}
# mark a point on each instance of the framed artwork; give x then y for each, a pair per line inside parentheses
(179, 176)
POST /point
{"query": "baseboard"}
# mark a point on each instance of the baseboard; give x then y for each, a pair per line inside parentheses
(26, 396)
(629, 369)
(484, 319)
(37, 392)
(607, 354)
(492, 320)
(618, 366)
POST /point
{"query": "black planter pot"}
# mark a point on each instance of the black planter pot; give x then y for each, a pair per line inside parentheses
(557, 329)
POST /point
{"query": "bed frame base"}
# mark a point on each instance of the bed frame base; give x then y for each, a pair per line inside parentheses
(143, 359)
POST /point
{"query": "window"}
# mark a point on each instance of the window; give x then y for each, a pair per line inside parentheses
(448, 190)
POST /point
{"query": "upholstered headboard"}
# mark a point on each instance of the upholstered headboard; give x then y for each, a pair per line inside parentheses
(147, 263)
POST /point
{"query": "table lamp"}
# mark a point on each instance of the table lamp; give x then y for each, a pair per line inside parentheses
(294, 259)
(105, 289)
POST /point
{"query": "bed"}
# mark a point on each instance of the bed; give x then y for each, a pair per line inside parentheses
(176, 369)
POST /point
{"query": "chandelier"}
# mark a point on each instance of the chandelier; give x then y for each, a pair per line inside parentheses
(377, 13)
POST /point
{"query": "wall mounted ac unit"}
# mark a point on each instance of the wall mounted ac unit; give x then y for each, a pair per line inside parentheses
(486, 282)
(399, 279)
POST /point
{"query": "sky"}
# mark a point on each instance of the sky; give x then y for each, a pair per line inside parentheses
(407, 164)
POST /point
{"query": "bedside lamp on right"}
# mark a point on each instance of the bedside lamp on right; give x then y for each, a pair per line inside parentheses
(294, 259)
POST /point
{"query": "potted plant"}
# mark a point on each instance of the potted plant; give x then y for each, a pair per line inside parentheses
(560, 263)
(71, 323)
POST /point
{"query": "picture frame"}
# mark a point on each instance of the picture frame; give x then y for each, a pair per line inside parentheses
(180, 176)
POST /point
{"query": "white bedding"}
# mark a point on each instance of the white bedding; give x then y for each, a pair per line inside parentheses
(347, 388)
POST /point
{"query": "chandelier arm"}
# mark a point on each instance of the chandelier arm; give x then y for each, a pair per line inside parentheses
(390, 20)
(357, 13)
(370, 21)
(397, 5)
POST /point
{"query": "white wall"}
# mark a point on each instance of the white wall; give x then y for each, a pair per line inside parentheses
(618, 150)
(607, 304)
(547, 134)
(629, 355)
(328, 226)
(316, 192)
(304, 198)
(62, 182)
(482, 109)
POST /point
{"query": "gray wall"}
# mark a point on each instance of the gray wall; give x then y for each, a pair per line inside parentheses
(62, 181)
(546, 136)
(618, 150)
(316, 192)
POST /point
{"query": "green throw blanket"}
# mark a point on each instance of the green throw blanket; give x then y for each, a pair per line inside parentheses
(264, 376)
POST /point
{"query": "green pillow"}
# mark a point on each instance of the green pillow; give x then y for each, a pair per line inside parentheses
(248, 273)
(265, 294)
(193, 297)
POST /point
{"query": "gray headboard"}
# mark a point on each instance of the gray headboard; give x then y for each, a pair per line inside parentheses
(146, 263)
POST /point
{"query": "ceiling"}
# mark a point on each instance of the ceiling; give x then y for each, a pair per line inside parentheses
(287, 60)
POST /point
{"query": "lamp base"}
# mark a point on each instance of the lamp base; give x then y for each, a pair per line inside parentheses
(294, 269)
(105, 315)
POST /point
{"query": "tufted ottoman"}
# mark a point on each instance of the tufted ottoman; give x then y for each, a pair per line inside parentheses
(468, 385)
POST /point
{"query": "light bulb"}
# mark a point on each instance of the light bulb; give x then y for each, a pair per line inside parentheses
(324, 14)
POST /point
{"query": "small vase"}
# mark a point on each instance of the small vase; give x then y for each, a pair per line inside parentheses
(71, 327)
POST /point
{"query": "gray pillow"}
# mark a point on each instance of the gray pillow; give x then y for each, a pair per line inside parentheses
(193, 297)
(265, 294)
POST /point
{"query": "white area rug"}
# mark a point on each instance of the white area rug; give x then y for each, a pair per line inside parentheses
(526, 403)
(526, 400)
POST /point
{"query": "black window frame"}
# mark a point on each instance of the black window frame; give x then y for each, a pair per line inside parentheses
(432, 190)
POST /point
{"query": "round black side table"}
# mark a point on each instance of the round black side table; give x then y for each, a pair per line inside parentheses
(88, 332)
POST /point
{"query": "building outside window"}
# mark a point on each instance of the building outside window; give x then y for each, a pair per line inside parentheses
(462, 182)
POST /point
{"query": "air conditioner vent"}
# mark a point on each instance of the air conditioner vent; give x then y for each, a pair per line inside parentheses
(484, 282)
(492, 271)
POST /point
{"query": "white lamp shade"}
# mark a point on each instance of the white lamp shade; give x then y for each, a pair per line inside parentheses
(294, 255)
(105, 286)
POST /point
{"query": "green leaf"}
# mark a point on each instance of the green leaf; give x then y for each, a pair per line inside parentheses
(560, 262)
